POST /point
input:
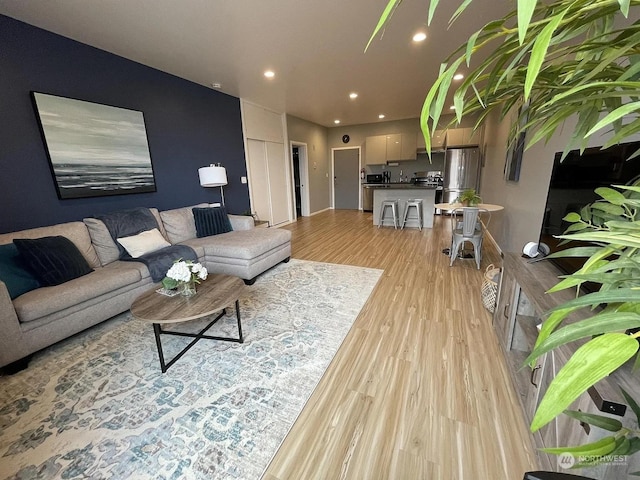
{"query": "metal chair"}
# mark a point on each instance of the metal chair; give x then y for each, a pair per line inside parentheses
(468, 230)
(393, 204)
(417, 203)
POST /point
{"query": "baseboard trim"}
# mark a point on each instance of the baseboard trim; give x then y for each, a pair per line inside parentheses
(488, 235)
(320, 211)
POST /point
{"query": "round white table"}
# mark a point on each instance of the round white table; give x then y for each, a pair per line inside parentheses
(490, 207)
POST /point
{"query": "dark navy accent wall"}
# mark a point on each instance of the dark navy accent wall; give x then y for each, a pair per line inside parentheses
(188, 126)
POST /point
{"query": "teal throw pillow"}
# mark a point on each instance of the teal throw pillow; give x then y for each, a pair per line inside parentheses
(14, 273)
(211, 221)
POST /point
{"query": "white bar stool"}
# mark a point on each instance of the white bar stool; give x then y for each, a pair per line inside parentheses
(394, 211)
(417, 204)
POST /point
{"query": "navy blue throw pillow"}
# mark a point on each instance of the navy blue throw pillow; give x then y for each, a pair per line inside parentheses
(211, 221)
(52, 260)
(14, 273)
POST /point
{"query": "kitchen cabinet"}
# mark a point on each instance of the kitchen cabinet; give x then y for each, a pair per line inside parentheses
(463, 137)
(519, 312)
(394, 146)
(375, 150)
(380, 149)
(409, 143)
(437, 140)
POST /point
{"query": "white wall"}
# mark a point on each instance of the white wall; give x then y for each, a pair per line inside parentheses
(315, 136)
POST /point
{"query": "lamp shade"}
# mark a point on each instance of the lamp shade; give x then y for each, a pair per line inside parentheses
(212, 176)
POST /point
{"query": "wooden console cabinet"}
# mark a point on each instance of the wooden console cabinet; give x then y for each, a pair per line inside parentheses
(521, 306)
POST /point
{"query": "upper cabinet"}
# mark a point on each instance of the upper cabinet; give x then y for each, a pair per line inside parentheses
(375, 150)
(394, 146)
(380, 149)
(463, 137)
(437, 140)
(409, 142)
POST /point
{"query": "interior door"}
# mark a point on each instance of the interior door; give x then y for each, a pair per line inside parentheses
(268, 178)
(259, 178)
(346, 178)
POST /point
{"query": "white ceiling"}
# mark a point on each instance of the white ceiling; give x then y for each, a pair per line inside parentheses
(316, 48)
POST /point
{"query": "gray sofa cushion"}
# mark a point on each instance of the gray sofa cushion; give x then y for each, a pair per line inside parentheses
(179, 223)
(75, 231)
(242, 244)
(44, 301)
(241, 222)
(106, 249)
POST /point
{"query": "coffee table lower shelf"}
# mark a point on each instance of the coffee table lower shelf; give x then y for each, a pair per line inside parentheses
(157, 330)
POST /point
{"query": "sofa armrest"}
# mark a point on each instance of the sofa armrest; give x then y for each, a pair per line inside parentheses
(241, 222)
(12, 346)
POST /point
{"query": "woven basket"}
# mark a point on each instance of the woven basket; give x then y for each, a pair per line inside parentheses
(489, 289)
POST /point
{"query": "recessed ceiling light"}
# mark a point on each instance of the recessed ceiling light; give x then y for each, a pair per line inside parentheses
(381, 115)
(419, 37)
(336, 121)
(269, 74)
(353, 95)
(216, 85)
(458, 76)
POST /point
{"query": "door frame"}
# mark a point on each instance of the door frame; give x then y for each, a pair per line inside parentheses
(333, 175)
(303, 161)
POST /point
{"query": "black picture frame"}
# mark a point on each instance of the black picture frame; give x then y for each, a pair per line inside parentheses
(513, 163)
(514, 159)
(94, 150)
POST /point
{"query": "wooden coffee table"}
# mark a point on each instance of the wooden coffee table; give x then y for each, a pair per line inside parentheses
(213, 295)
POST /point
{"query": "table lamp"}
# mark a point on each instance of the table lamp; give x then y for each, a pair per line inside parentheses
(213, 176)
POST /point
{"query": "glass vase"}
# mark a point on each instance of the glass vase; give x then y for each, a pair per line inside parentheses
(188, 289)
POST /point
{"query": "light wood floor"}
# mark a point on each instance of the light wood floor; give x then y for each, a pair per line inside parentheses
(419, 388)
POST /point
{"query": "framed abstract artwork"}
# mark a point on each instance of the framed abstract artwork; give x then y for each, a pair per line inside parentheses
(94, 150)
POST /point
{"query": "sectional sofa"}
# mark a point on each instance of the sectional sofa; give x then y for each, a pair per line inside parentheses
(43, 316)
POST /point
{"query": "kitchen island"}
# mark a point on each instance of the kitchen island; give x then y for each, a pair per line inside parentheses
(403, 192)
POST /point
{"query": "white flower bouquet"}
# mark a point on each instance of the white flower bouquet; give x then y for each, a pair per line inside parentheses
(183, 275)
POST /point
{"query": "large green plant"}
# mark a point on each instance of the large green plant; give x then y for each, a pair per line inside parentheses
(612, 227)
(546, 63)
(558, 59)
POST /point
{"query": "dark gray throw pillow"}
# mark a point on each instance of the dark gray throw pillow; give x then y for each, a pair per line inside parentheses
(211, 221)
(52, 260)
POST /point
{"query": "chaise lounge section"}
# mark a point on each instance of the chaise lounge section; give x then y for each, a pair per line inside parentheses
(43, 316)
(245, 252)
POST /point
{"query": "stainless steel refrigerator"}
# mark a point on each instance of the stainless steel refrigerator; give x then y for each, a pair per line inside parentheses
(461, 171)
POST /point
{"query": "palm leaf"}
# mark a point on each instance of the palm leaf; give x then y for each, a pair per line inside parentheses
(384, 19)
(596, 325)
(590, 363)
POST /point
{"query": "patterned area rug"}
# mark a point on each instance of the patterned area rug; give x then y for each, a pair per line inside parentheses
(96, 406)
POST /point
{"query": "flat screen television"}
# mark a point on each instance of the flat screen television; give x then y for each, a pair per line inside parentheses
(572, 186)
